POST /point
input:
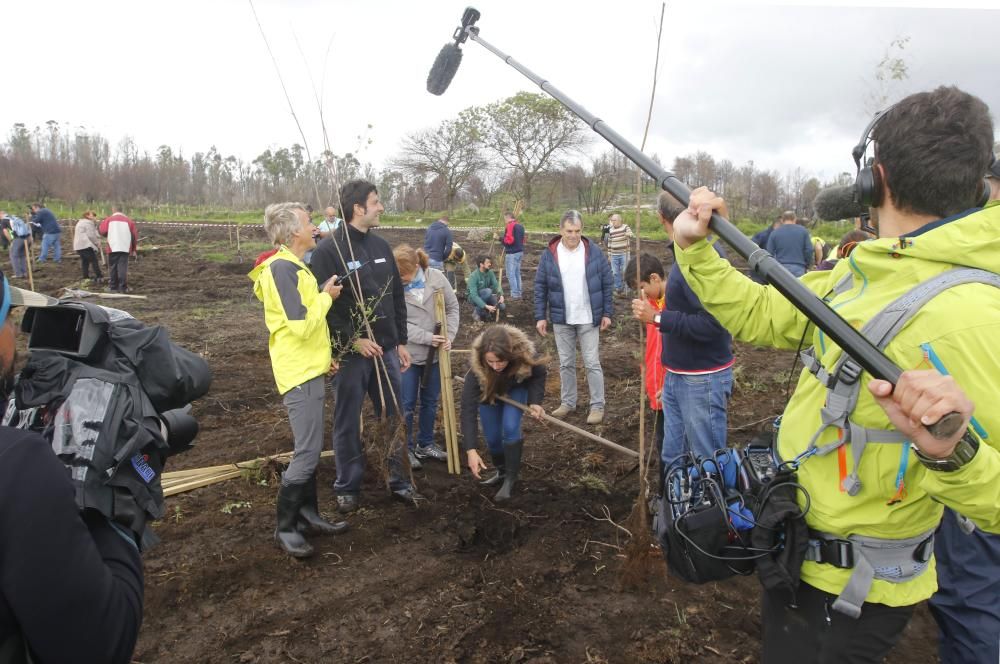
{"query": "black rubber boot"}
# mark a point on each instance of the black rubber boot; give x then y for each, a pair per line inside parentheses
(288, 537)
(512, 458)
(501, 465)
(310, 521)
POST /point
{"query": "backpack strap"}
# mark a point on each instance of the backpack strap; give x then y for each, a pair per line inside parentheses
(842, 382)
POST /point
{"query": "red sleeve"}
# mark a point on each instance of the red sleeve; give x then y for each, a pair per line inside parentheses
(103, 229)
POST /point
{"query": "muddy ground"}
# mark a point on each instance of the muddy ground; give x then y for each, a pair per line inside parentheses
(458, 579)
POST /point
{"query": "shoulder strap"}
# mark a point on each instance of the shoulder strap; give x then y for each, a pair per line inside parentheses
(842, 384)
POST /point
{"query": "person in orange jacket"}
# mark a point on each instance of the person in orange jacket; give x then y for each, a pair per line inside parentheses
(653, 285)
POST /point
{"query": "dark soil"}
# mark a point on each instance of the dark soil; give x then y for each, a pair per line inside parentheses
(458, 579)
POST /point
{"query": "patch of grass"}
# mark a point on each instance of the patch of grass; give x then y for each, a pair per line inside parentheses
(593, 483)
(237, 505)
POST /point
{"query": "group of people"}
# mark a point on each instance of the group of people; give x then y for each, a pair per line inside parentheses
(119, 230)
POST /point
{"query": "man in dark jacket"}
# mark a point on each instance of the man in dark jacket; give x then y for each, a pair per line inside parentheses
(574, 284)
(371, 353)
(698, 356)
(51, 232)
(437, 242)
(59, 564)
(791, 245)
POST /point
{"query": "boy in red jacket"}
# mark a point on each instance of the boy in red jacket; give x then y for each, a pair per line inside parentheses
(654, 289)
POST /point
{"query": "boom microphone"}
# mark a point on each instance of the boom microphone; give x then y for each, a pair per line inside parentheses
(450, 57)
(836, 203)
(444, 69)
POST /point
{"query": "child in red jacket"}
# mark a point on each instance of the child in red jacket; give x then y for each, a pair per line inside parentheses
(654, 288)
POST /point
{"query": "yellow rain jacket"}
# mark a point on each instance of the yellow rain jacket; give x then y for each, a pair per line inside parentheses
(958, 330)
(295, 313)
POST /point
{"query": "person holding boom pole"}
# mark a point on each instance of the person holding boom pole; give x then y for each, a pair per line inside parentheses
(504, 363)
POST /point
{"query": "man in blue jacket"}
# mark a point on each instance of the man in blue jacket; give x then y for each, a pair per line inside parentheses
(437, 243)
(51, 231)
(574, 283)
(791, 245)
(698, 356)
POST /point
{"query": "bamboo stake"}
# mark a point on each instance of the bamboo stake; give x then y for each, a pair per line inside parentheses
(447, 391)
(179, 481)
(565, 425)
(28, 241)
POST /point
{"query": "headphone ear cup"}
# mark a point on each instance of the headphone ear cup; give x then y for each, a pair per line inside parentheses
(983, 193)
(865, 187)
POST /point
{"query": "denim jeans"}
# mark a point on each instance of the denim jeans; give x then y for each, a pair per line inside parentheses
(19, 256)
(590, 337)
(501, 422)
(51, 241)
(512, 264)
(694, 407)
(618, 263)
(428, 397)
(486, 295)
(965, 605)
(355, 380)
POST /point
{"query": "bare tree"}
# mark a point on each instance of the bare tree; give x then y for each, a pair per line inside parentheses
(451, 152)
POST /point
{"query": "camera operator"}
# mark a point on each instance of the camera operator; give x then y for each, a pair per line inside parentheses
(71, 583)
(930, 152)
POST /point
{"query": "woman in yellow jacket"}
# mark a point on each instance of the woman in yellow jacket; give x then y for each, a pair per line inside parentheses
(299, 344)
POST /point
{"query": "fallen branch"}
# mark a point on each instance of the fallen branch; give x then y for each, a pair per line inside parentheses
(548, 418)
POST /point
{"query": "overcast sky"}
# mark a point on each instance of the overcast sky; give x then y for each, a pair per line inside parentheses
(784, 85)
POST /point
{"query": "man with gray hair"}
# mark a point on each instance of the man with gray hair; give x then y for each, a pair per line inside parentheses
(299, 344)
(573, 286)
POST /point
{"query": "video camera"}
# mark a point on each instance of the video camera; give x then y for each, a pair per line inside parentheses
(113, 397)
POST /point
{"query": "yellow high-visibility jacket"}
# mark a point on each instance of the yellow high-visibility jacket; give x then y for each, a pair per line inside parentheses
(957, 330)
(295, 314)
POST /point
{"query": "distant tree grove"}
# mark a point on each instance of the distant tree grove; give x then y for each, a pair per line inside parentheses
(526, 147)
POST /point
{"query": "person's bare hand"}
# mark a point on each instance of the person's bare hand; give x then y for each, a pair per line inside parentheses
(440, 341)
(368, 348)
(404, 358)
(605, 323)
(476, 465)
(332, 287)
(334, 367)
(542, 327)
(643, 310)
(920, 399)
(536, 411)
(691, 225)
(500, 301)
(490, 308)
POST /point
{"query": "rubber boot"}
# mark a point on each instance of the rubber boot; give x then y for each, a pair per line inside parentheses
(512, 458)
(288, 537)
(310, 521)
(501, 465)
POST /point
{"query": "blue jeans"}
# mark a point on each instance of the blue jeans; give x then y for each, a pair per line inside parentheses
(967, 603)
(618, 263)
(486, 295)
(694, 408)
(428, 397)
(512, 264)
(501, 422)
(51, 241)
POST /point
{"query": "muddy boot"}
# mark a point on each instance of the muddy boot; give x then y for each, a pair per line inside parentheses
(288, 537)
(310, 521)
(501, 465)
(512, 459)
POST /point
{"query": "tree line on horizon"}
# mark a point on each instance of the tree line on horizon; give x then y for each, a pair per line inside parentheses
(526, 147)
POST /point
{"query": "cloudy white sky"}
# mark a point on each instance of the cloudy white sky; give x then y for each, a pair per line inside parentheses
(782, 84)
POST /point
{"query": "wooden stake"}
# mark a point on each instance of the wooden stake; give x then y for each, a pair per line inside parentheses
(28, 241)
(447, 390)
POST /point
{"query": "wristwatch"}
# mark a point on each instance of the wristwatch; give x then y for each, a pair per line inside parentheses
(656, 320)
(963, 453)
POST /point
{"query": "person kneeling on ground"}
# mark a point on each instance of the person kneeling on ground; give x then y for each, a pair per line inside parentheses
(504, 364)
(295, 312)
(484, 290)
(420, 285)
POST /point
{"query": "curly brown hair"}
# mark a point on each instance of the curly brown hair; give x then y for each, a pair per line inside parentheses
(507, 343)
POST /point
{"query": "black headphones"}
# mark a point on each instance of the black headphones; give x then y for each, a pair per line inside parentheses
(868, 183)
